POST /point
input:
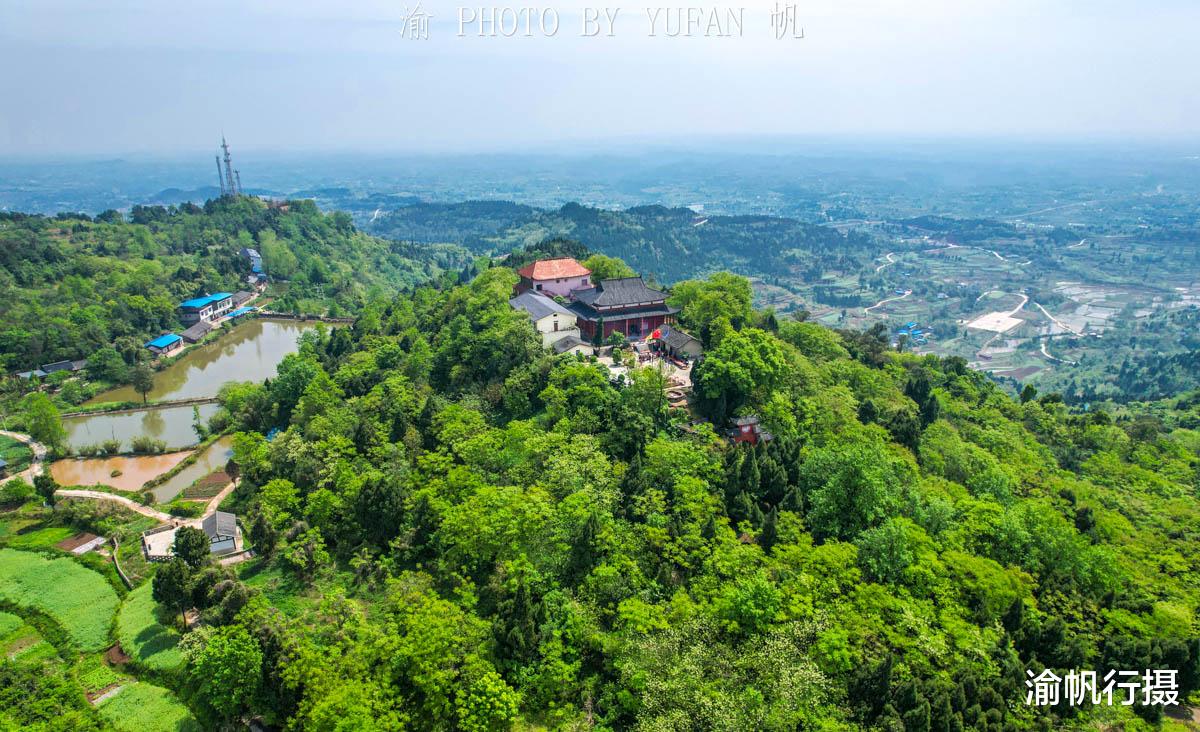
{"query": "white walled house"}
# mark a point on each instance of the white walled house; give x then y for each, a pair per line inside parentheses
(552, 320)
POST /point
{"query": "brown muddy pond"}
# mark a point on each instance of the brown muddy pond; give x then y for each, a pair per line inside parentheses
(214, 458)
(172, 425)
(135, 471)
(250, 351)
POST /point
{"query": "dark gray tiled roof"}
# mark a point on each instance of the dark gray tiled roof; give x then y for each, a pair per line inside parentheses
(220, 525)
(589, 313)
(565, 344)
(678, 339)
(197, 331)
(538, 306)
(626, 291)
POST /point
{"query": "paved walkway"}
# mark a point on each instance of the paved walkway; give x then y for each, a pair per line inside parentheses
(39, 455)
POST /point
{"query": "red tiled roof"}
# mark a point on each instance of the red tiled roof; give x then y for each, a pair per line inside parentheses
(551, 269)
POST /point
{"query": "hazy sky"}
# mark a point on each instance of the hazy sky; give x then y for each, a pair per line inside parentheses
(166, 76)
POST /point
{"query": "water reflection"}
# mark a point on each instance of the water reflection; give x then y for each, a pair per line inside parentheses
(250, 351)
(172, 425)
(134, 471)
(214, 457)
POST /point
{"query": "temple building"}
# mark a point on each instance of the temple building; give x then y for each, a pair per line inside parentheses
(624, 305)
(551, 277)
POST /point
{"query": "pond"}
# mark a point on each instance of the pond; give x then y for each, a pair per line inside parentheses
(172, 425)
(134, 471)
(214, 458)
(250, 351)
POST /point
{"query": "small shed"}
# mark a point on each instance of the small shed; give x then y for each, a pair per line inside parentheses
(679, 344)
(572, 344)
(3, 467)
(165, 343)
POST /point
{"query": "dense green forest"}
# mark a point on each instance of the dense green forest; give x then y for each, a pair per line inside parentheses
(72, 284)
(667, 244)
(457, 530)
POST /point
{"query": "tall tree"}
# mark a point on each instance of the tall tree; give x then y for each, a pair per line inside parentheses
(143, 380)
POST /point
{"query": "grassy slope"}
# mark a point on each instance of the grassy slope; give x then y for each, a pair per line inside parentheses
(77, 598)
(148, 642)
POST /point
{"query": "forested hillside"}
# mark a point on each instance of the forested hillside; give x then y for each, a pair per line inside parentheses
(668, 243)
(71, 284)
(457, 530)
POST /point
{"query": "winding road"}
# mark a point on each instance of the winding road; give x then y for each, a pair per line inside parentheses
(209, 508)
(887, 300)
(39, 455)
(890, 256)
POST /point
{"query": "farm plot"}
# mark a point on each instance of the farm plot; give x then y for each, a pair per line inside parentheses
(19, 641)
(78, 599)
(148, 642)
(141, 707)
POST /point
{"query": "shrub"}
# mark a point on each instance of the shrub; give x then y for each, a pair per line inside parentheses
(143, 444)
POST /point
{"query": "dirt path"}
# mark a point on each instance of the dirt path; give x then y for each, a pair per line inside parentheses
(887, 300)
(1024, 301)
(209, 508)
(127, 503)
(1055, 358)
(39, 455)
(890, 256)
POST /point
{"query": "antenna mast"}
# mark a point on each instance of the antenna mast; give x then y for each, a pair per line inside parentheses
(220, 178)
(238, 175)
(228, 169)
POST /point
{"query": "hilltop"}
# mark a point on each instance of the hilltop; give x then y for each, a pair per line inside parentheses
(71, 284)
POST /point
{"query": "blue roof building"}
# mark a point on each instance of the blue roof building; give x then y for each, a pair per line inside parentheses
(164, 343)
(205, 308)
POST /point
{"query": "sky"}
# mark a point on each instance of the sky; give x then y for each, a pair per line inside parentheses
(154, 77)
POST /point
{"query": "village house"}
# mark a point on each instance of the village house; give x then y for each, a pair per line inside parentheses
(165, 344)
(49, 368)
(624, 305)
(224, 537)
(205, 308)
(196, 332)
(552, 277)
(553, 321)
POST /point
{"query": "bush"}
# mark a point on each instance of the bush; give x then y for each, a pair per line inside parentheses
(110, 447)
(184, 509)
(146, 445)
(16, 491)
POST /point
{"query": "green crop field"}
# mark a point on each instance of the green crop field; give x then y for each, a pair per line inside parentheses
(140, 707)
(43, 538)
(18, 454)
(75, 597)
(20, 641)
(150, 643)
